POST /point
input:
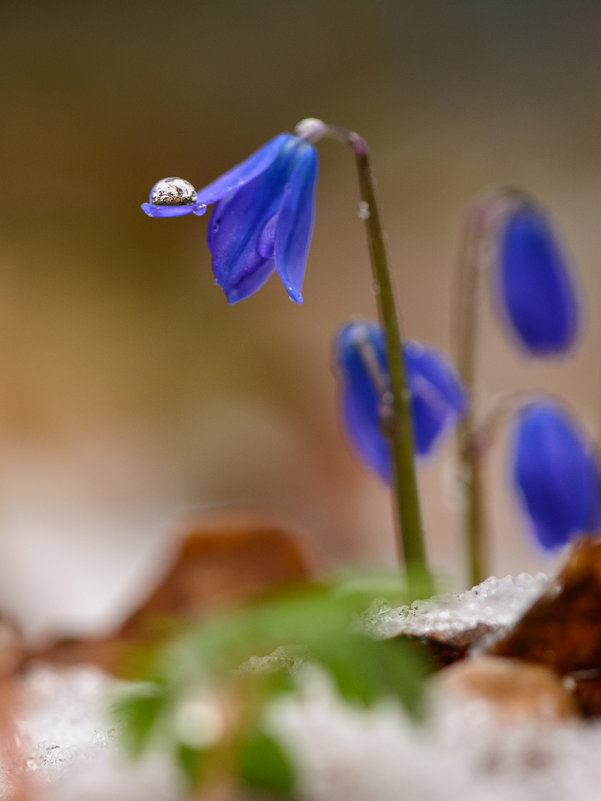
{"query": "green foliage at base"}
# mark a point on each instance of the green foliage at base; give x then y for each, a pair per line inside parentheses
(249, 656)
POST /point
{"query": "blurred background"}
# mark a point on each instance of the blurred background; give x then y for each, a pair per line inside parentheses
(132, 394)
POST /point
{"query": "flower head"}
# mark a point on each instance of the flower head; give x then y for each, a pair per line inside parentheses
(556, 474)
(437, 398)
(263, 216)
(536, 289)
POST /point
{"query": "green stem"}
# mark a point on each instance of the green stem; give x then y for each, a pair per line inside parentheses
(483, 223)
(405, 489)
(468, 454)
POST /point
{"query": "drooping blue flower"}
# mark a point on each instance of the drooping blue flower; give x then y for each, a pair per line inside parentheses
(537, 291)
(556, 473)
(262, 220)
(438, 399)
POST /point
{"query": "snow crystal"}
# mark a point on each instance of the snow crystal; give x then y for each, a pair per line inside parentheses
(71, 747)
(493, 605)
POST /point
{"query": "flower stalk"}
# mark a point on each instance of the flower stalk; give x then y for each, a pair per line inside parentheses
(479, 252)
(468, 449)
(399, 429)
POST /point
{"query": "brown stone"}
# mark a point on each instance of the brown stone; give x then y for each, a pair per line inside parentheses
(512, 689)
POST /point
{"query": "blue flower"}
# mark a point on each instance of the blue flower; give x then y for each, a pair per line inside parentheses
(556, 473)
(438, 400)
(262, 220)
(536, 290)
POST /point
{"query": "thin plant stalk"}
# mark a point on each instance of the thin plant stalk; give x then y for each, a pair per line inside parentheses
(468, 450)
(482, 225)
(400, 427)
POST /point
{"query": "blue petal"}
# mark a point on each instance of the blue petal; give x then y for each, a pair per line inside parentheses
(251, 282)
(363, 427)
(438, 399)
(556, 474)
(246, 171)
(360, 398)
(173, 211)
(295, 223)
(266, 240)
(238, 222)
(537, 291)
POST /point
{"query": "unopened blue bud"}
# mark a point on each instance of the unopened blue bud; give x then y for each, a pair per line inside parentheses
(556, 474)
(537, 292)
(438, 400)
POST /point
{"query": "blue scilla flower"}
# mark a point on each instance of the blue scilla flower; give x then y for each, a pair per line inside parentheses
(263, 215)
(437, 398)
(537, 292)
(556, 473)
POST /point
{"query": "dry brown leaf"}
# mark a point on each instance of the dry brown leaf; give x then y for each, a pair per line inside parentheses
(222, 560)
(562, 628)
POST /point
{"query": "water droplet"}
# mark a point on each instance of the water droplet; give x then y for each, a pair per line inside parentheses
(173, 192)
(363, 210)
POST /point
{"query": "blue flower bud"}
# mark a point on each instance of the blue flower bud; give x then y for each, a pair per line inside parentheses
(438, 400)
(556, 474)
(262, 220)
(537, 292)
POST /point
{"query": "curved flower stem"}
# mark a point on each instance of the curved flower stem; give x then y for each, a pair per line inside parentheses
(400, 432)
(468, 452)
(483, 220)
(503, 408)
(475, 441)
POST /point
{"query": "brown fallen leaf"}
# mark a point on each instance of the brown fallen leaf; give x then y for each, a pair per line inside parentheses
(222, 560)
(586, 689)
(563, 627)
(445, 648)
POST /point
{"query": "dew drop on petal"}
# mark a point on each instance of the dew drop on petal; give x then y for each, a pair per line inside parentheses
(173, 192)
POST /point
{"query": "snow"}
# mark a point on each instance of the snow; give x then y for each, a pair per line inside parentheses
(72, 750)
(495, 604)
(459, 751)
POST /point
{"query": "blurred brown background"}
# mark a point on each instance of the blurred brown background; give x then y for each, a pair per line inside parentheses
(131, 391)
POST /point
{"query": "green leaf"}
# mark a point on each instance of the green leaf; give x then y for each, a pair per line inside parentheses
(264, 766)
(139, 711)
(191, 761)
(320, 623)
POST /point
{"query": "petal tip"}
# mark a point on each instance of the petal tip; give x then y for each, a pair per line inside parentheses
(232, 294)
(294, 295)
(155, 210)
